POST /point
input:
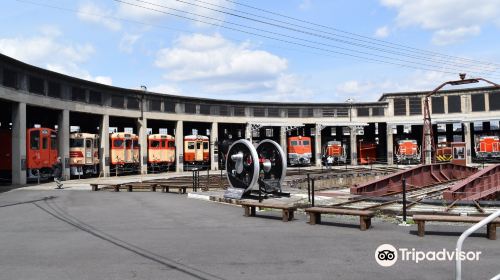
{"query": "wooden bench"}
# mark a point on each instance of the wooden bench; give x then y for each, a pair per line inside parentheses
(365, 217)
(287, 210)
(181, 189)
(491, 228)
(95, 186)
(130, 187)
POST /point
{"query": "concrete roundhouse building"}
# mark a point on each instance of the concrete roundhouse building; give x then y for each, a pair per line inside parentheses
(31, 95)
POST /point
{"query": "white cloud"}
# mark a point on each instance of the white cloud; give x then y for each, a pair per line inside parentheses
(167, 89)
(450, 36)
(371, 90)
(155, 10)
(48, 50)
(305, 5)
(382, 32)
(128, 41)
(223, 69)
(199, 57)
(451, 20)
(90, 12)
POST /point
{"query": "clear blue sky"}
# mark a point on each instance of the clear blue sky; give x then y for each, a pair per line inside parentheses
(117, 43)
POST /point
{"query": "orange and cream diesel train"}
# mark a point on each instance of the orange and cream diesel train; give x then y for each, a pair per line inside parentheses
(336, 150)
(488, 147)
(299, 150)
(161, 150)
(196, 150)
(124, 153)
(407, 151)
(83, 154)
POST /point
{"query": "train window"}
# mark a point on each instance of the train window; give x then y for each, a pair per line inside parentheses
(171, 144)
(128, 143)
(35, 140)
(118, 143)
(96, 143)
(294, 143)
(190, 145)
(88, 143)
(305, 142)
(53, 143)
(269, 132)
(163, 144)
(135, 143)
(45, 145)
(155, 144)
(198, 145)
(76, 143)
(205, 145)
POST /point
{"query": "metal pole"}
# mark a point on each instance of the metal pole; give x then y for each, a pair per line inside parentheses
(461, 239)
(208, 178)
(404, 200)
(38, 175)
(193, 180)
(312, 193)
(308, 187)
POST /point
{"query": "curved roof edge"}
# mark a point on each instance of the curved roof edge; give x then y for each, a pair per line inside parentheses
(79, 81)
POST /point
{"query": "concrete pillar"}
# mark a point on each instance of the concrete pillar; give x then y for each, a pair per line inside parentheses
(142, 127)
(104, 145)
(214, 158)
(354, 146)
(390, 145)
(63, 141)
(317, 145)
(468, 142)
(283, 140)
(445, 104)
(248, 132)
(19, 143)
(179, 146)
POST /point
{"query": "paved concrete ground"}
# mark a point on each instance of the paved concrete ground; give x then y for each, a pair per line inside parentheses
(142, 235)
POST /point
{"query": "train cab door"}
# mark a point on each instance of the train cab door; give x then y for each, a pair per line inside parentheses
(198, 152)
(128, 151)
(45, 148)
(89, 151)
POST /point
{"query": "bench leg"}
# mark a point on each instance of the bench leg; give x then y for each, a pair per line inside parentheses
(421, 228)
(491, 230)
(167, 189)
(291, 215)
(129, 188)
(252, 211)
(153, 188)
(287, 215)
(314, 218)
(247, 211)
(116, 188)
(364, 222)
(94, 188)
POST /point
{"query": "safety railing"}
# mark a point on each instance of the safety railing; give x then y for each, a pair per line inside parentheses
(461, 239)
